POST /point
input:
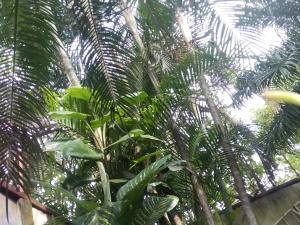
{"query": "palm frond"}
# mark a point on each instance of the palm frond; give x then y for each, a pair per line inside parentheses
(27, 50)
(105, 57)
(279, 70)
(283, 133)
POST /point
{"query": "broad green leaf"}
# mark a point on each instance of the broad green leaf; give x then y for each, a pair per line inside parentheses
(82, 93)
(147, 136)
(134, 188)
(145, 157)
(136, 133)
(74, 148)
(118, 181)
(62, 115)
(100, 122)
(135, 98)
(153, 209)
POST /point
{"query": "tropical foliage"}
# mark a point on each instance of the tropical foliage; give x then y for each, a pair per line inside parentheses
(114, 112)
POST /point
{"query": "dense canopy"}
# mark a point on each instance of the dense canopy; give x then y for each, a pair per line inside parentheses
(125, 111)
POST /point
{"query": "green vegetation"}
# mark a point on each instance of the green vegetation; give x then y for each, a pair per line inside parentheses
(113, 112)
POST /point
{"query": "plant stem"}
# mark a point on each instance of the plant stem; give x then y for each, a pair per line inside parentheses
(105, 183)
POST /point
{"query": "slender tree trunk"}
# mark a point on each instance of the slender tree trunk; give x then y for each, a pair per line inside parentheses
(132, 26)
(65, 62)
(74, 81)
(268, 165)
(258, 181)
(67, 67)
(201, 196)
(175, 218)
(238, 180)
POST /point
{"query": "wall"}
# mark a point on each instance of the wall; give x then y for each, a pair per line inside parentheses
(280, 207)
(20, 212)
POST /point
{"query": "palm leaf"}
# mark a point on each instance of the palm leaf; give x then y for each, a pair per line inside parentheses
(280, 69)
(105, 57)
(27, 50)
(283, 133)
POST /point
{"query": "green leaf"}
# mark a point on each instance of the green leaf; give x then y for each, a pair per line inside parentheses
(122, 139)
(145, 157)
(118, 181)
(82, 93)
(100, 122)
(153, 209)
(135, 98)
(62, 115)
(134, 188)
(60, 194)
(74, 148)
(147, 136)
(103, 216)
(136, 133)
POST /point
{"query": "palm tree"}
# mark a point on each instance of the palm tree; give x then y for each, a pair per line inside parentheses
(276, 70)
(187, 35)
(140, 73)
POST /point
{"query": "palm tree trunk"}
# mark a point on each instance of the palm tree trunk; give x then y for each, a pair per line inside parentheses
(132, 26)
(258, 181)
(238, 180)
(65, 62)
(67, 67)
(201, 196)
(74, 81)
